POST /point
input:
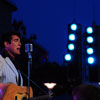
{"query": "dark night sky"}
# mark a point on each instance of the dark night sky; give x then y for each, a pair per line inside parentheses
(48, 19)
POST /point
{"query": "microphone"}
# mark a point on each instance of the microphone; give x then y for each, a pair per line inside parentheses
(28, 47)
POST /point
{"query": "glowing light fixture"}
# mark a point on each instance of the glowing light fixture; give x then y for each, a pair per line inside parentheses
(89, 30)
(71, 46)
(73, 27)
(71, 37)
(99, 83)
(91, 60)
(67, 57)
(50, 85)
(89, 50)
(90, 39)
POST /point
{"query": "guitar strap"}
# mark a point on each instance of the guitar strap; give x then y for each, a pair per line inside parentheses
(19, 78)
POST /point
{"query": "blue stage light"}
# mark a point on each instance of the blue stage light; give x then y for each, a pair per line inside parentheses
(89, 30)
(73, 27)
(91, 60)
(71, 46)
(67, 57)
(90, 39)
(89, 50)
(71, 37)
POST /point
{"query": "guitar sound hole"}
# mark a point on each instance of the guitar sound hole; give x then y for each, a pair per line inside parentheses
(24, 98)
(15, 97)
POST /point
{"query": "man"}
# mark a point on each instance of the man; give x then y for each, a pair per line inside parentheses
(9, 72)
(86, 92)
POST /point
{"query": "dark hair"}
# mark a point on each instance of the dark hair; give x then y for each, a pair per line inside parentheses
(8, 36)
(87, 92)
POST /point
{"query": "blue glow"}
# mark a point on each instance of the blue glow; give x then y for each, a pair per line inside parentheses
(91, 60)
(71, 37)
(89, 30)
(90, 39)
(71, 46)
(67, 57)
(44, 60)
(89, 50)
(73, 27)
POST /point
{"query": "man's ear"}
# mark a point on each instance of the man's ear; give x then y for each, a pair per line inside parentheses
(6, 44)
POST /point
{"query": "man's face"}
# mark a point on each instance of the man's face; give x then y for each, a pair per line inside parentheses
(15, 45)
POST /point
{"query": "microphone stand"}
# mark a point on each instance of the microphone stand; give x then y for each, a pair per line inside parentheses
(29, 49)
(29, 66)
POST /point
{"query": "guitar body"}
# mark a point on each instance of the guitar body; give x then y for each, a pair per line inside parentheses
(14, 92)
(2, 90)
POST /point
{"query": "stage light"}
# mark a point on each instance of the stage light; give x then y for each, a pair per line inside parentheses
(67, 57)
(89, 30)
(99, 83)
(90, 39)
(73, 27)
(71, 37)
(91, 55)
(71, 46)
(50, 85)
(91, 60)
(73, 58)
(89, 50)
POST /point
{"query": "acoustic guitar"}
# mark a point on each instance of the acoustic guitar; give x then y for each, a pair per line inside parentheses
(14, 92)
